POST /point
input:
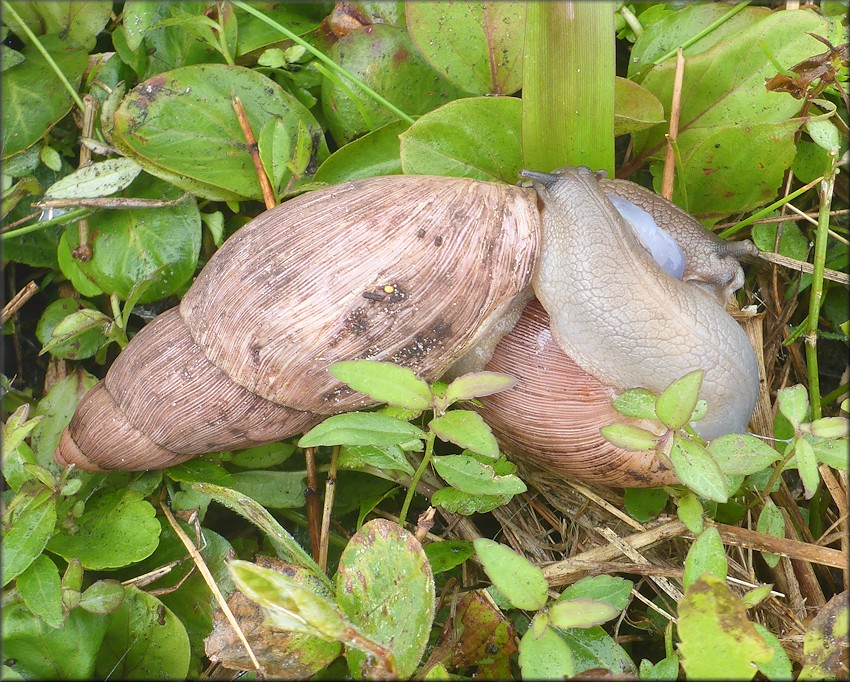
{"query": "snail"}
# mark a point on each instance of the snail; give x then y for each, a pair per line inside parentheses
(436, 274)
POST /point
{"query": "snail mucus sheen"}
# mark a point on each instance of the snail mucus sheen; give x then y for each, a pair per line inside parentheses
(552, 284)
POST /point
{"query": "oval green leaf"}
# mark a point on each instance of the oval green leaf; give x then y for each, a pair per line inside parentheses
(360, 428)
(742, 454)
(698, 471)
(581, 613)
(469, 475)
(521, 582)
(676, 403)
(385, 382)
(545, 657)
(467, 430)
(375, 154)
(706, 555)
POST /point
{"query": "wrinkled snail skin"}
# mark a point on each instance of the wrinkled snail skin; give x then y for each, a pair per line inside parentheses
(431, 273)
(622, 319)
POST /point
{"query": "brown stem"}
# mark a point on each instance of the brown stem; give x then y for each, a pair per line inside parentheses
(313, 511)
(18, 301)
(330, 490)
(253, 149)
(673, 133)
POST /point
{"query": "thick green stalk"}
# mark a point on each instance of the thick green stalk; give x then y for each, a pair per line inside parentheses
(816, 296)
(568, 85)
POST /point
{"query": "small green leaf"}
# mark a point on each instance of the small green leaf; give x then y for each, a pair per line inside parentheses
(666, 670)
(807, 466)
(778, 667)
(386, 458)
(41, 590)
(771, 522)
(636, 402)
(545, 657)
(829, 427)
(830, 451)
(467, 430)
(272, 489)
(601, 588)
(385, 382)
(698, 471)
(457, 502)
(520, 581)
(689, 511)
(33, 518)
(274, 147)
(717, 640)
(581, 613)
(706, 555)
(469, 475)
(477, 385)
(756, 596)
(445, 555)
(98, 179)
(103, 597)
(793, 404)
(677, 402)
(628, 437)
(645, 504)
(742, 454)
(50, 157)
(360, 428)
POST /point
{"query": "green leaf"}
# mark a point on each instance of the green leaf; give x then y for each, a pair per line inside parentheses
(102, 597)
(829, 427)
(117, 528)
(360, 428)
(636, 402)
(831, 451)
(272, 489)
(263, 456)
(469, 475)
(79, 342)
(602, 588)
(756, 596)
(698, 471)
(778, 667)
(676, 403)
(742, 454)
(181, 127)
(458, 502)
(717, 640)
(145, 640)
(286, 546)
(793, 244)
(385, 382)
(476, 46)
(635, 107)
(199, 470)
(466, 429)
(377, 153)
(477, 385)
(771, 522)
(385, 587)
(99, 179)
(75, 22)
(41, 590)
(807, 466)
(38, 651)
(823, 645)
(689, 510)
(476, 137)
(793, 404)
(581, 613)
(521, 582)
(33, 519)
(666, 670)
(445, 555)
(34, 99)
(133, 244)
(645, 504)
(594, 648)
(387, 458)
(545, 656)
(706, 555)
(628, 437)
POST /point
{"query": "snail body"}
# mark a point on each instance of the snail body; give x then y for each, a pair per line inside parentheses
(431, 273)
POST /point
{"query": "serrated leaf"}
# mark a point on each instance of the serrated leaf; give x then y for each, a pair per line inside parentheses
(706, 555)
(677, 402)
(478, 385)
(99, 179)
(545, 657)
(717, 640)
(793, 404)
(520, 581)
(471, 476)
(742, 454)
(698, 471)
(467, 430)
(360, 428)
(636, 402)
(581, 613)
(385, 382)
(628, 437)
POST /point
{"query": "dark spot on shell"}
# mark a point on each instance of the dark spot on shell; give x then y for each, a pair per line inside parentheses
(420, 233)
(438, 241)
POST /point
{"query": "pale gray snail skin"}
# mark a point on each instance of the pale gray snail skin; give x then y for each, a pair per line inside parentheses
(244, 358)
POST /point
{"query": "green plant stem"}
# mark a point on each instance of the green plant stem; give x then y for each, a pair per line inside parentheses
(699, 36)
(69, 217)
(816, 294)
(423, 465)
(631, 20)
(758, 215)
(835, 395)
(323, 58)
(44, 53)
